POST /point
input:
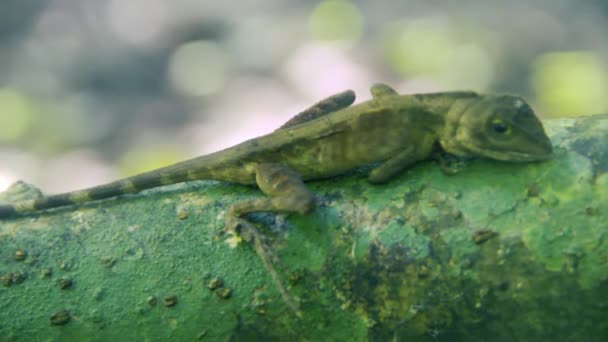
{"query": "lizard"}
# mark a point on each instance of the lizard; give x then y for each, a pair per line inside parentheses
(390, 132)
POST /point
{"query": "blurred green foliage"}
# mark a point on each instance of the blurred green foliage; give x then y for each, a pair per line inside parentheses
(336, 20)
(17, 115)
(439, 51)
(571, 83)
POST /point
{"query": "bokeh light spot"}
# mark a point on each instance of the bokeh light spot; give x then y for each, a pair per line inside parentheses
(331, 69)
(16, 115)
(198, 68)
(570, 83)
(336, 20)
(6, 180)
(416, 49)
(432, 49)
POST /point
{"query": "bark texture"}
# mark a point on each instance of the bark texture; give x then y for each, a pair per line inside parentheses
(497, 252)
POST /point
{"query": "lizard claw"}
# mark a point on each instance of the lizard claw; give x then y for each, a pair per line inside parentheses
(242, 228)
(245, 230)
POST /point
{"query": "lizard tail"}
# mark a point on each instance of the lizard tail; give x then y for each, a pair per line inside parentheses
(121, 187)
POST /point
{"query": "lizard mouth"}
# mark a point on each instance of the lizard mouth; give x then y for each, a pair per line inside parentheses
(540, 153)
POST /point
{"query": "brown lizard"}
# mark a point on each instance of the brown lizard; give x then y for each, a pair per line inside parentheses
(390, 131)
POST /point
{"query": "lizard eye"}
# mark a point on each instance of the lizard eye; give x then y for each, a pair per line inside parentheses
(500, 126)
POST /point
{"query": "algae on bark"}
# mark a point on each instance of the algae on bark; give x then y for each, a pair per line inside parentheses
(497, 252)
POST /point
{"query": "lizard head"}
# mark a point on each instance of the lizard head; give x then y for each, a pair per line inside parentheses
(501, 127)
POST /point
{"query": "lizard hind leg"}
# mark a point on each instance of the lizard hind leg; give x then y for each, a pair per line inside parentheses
(286, 193)
(380, 90)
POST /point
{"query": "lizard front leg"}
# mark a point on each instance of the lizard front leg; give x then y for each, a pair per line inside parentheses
(450, 164)
(286, 193)
(393, 166)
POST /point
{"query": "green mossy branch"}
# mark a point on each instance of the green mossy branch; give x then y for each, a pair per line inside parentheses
(497, 252)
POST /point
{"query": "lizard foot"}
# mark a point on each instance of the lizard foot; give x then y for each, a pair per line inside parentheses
(249, 233)
(287, 193)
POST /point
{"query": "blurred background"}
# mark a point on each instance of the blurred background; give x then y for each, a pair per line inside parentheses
(92, 90)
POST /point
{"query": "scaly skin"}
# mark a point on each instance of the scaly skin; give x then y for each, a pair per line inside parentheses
(331, 138)
(398, 130)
